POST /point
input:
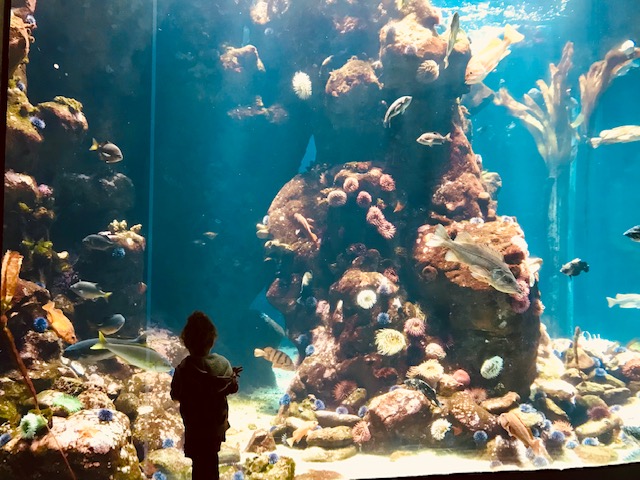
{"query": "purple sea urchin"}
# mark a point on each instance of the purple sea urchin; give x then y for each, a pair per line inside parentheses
(105, 415)
(40, 324)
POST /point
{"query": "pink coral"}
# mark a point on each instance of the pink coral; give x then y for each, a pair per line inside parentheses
(337, 198)
(350, 184)
(364, 199)
(387, 183)
(415, 327)
(361, 433)
(462, 377)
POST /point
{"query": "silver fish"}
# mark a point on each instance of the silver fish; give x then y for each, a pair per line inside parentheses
(109, 325)
(453, 33)
(306, 281)
(534, 264)
(139, 356)
(622, 134)
(98, 242)
(633, 233)
(625, 300)
(82, 349)
(433, 138)
(108, 152)
(397, 108)
(275, 326)
(484, 262)
(574, 268)
(89, 291)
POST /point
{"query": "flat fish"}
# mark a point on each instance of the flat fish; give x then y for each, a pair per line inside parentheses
(278, 358)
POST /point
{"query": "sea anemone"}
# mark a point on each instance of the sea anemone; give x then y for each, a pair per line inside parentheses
(435, 350)
(285, 400)
(478, 394)
(492, 367)
(428, 72)
(342, 410)
(431, 371)
(343, 389)
(631, 369)
(30, 424)
(4, 439)
(68, 403)
(364, 199)
(375, 216)
(168, 443)
(390, 341)
(415, 327)
(350, 184)
(45, 190)
(38, 123)
(361, 433)
(362, 411)
(301, 84)
(387, 183)
(598, 412)
(118, 252)
(105, 415)
(462, 377)
(366, 299)
(480, 437)
(309, 350)
(563, 426)
(40, 324)
(387, 230)
(439, 428)
(318, 404)
(337, 198)
(383, 319)
(273, 458)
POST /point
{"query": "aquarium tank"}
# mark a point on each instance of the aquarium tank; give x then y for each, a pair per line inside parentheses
(414, 224)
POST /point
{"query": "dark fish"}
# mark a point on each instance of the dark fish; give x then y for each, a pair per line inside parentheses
(424, 388)
(97, 242)
(278, 358)
(109, 325)
(108, 152)
(633, 233)
(82, 349)
(575, 267)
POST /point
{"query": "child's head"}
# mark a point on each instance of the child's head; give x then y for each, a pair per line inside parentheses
(199, 334)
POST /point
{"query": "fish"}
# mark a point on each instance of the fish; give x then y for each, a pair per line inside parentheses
(486, 60)
(59, 323)
(98, 242)
(306, 227)
(484, 262)
(433, 138)
(301, 432)
(627, 47)
(515, 427)
(622, 134)
(82, 350)
(109, 325)
(626, 68)
(534, 264)
(397, 108)
(89, 291)
(107, 151)
(278, 358)
(633, 233)
(479, 96)
(307, 278)
(574, 268)
(139, 356)
(625, 300)
(209, 235)
(453, 33)
(424, 388)
(275, 326)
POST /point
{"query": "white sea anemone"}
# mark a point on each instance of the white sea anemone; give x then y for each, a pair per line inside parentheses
(439, 428)
(366, 299)
(492, 367)
(390, 341)
(430, 370)
(301, 84)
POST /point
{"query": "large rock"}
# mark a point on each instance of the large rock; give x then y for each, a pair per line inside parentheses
(399, 415)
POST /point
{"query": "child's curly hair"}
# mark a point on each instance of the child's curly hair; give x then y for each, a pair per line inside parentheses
(199, 334)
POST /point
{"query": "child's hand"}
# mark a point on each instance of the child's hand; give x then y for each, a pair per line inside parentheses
(236, 371)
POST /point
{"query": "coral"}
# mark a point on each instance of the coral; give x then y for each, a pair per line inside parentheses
(350, 184)
(631, 369)
(364, 199)
(30, 424)
(69, 403)
(390, 341)
(415, 327)
(435, 351)
(440, 428)
(431, 371)
(301, 84)
(40, 324)
(361, 433)
(428, 72)
(343, 389)
(337, 198)
(366, 299)
(387, 183)
(106, 415)
(492, 367)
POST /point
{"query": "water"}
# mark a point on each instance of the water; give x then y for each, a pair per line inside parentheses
(212, 138)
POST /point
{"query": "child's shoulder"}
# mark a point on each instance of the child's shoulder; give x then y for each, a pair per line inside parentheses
(219, 365)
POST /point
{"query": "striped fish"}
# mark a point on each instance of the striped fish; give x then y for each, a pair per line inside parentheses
(278, 358)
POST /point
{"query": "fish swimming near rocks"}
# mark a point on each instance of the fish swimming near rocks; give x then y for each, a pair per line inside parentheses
(484, 262)
(275, 326)
(486, 60)
(623, 134)
(424, 388)
(82, 350)
(397, 108)
(633, 233)
(59, 323)
(301, 432)
(625, 300)
(109, 325)
(534, 264)
(278, 358)
(139, 356)
(453, 33)
(98, 242)
(516, 428)
(433, 138)
(107, 151)
(305, 224)
(574, 268)
(89, 291)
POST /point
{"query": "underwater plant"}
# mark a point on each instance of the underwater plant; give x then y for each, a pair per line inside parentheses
(30, 424)
(390, 341)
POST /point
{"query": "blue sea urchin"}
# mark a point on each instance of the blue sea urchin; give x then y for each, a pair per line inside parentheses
(105, 415)
(40, 324)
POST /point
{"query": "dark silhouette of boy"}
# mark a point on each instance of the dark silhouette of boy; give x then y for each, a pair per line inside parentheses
(201, 384)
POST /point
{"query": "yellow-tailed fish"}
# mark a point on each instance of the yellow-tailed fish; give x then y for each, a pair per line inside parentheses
(278, 358)
(137, 355)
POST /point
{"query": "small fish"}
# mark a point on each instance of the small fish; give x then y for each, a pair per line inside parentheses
(623, 134)
(534, 264)
(484, 262)
(89, 291)
(625, 300)
(453, 33)
(98, 242)
(278, 358)
(485, 61)
(424, 388)
(633, 233)
(307, 278)
(574, 268)
(301, 432)
(397, 108)
(82, 350)
(627, 47)
(515, 427)
(139, 356)
(210, 235)
(59, 323)
(306, 227)
(433, 138)
(109, 325)
(275, 326)
(108, 152)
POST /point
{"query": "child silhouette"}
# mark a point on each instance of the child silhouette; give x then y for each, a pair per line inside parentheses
(201, 384)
